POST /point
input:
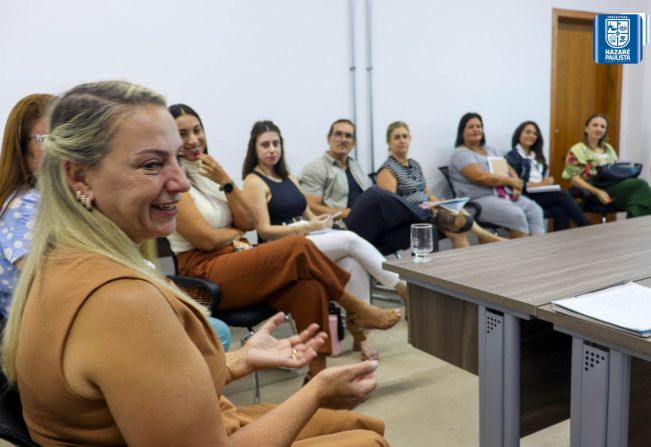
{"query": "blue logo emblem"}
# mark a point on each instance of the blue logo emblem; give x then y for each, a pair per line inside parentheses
(618, 32)
(619, 38)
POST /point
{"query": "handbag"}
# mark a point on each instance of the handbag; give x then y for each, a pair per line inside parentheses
(610, 174)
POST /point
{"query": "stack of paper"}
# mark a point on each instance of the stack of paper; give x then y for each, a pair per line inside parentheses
(544, 188)
(625, 307)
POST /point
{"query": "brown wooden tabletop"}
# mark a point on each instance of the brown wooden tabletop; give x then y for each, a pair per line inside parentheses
(523, 274)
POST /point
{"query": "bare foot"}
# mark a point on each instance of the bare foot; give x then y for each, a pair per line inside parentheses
(376, 318)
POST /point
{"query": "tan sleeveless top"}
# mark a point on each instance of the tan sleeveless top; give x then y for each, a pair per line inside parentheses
(54, 414)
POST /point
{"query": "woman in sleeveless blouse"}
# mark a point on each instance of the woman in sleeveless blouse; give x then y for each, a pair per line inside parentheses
(281, 210)
(632, 195)
(289, 274)
(104, 350)
(404, 176)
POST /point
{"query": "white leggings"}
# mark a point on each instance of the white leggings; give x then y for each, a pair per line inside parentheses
(358, 257)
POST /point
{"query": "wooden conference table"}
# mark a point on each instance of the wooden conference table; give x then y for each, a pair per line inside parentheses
(486, 309)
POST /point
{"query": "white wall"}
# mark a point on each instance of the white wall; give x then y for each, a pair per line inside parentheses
(494, 58)
(288, 60)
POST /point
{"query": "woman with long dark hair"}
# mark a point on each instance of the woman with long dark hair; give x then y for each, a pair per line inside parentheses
(281, 210)
(528, 161)
(471, 175)
(288, 274)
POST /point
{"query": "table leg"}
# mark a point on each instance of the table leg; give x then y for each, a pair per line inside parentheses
(600, 396)
(499, 379)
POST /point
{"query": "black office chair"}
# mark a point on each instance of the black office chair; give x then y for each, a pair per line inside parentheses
(590, 203)
(12, 425)
(246, 318)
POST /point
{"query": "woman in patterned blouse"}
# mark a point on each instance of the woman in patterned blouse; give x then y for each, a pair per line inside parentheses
(404, 176)
(632, 195)
(21, 157)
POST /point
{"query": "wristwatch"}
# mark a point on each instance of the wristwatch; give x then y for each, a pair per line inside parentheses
(227, 187)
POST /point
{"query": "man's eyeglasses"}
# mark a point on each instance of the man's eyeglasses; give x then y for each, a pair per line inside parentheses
(340, 134)
(40, 139)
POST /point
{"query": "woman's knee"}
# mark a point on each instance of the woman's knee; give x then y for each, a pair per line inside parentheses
(517, 219)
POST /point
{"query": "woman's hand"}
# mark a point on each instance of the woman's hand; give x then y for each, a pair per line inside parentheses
(548, 180)
(345, 387)
(241, 244)
(603, 197)
(516, 183)
(213, 170)
(264, 351)
(320, 222)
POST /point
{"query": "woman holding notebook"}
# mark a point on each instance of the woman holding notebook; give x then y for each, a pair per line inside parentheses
(499, 194)
(404, 176)
(527, 160)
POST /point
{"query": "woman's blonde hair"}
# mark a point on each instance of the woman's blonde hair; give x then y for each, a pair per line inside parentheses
(396, 125)
(83, 123)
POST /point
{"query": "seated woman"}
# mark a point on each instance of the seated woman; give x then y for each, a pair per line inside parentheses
(470, 173)
(288, 274)
(20, 159)
(632, 195)
(527, 160)
(281, 210)
(124, 357)
(404, 176)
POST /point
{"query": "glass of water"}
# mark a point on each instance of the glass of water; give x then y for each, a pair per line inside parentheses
(422, 243)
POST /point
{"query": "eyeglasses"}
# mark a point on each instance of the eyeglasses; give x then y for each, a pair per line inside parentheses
(40, 139)
(340, 134)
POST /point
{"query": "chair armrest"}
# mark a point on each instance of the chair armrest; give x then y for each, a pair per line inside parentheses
(474, 209)
(190, 282)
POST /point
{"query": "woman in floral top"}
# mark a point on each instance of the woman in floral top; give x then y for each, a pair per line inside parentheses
(21, 157)
(632, 195)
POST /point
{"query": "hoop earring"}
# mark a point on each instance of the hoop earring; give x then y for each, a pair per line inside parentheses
(84, 200)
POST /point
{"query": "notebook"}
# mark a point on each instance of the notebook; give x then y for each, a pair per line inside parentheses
(452, 205)
(625, 307)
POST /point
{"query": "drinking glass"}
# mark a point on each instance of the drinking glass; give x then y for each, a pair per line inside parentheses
(422, 242)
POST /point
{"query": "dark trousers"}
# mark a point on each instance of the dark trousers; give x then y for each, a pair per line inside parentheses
(562, 207)
(384, 219)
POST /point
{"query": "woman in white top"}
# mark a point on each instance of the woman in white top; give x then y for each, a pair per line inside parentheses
(289, 275)
(281, 210)
(527, 160)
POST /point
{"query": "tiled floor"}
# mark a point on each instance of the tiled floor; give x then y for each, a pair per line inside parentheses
(423, 401)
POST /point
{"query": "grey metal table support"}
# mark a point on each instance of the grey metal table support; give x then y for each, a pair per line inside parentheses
(499, 379)
(600, 395)
(499, 370)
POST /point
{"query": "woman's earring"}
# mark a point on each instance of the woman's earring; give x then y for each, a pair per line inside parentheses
(84, 199)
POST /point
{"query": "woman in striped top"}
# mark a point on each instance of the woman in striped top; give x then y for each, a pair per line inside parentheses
(404, 176)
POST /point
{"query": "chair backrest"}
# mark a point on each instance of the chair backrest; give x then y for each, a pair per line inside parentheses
(373, 177)
(12, 424)
(446, 173)
(166, 257)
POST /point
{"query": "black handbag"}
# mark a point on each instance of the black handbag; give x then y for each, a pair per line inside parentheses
(610, 174)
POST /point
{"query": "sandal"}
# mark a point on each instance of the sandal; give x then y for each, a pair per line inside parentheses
(444, 220)
(368, 354)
